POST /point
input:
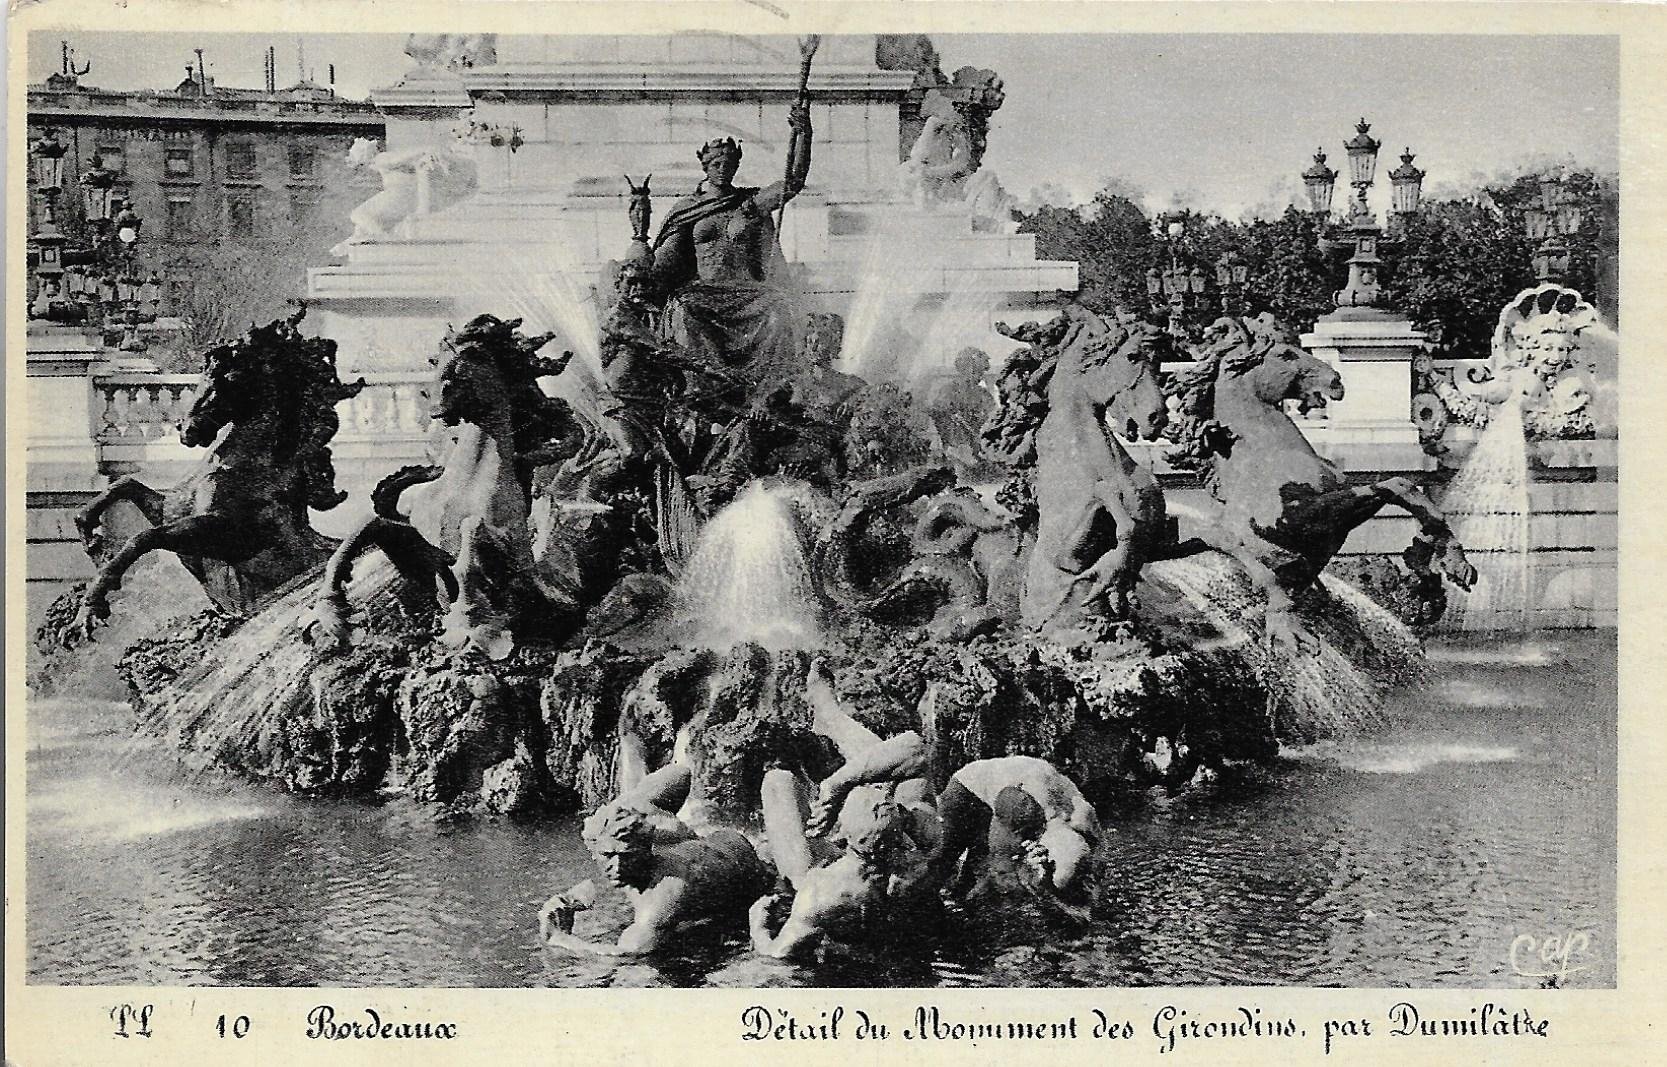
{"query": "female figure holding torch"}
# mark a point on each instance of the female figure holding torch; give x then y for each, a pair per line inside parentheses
(717, 263)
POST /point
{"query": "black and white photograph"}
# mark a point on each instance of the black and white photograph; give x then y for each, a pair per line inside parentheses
(785, 509)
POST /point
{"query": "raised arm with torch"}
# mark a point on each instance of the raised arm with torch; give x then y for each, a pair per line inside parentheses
(798, 145)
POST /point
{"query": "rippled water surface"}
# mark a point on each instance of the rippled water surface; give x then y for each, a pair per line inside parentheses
(1410, 858)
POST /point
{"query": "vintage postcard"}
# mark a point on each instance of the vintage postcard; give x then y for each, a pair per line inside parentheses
(676, 531)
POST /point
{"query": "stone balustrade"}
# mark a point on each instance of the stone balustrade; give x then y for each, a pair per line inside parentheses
(134, 407)
(392, 404)
(139, 407)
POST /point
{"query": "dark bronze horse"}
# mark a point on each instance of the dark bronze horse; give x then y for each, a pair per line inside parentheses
(1282, 510)
(266, 413)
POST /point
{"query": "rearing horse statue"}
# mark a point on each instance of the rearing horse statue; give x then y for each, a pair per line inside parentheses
(267, 412)
(467, 526)
(1100, 515)
(1282, 510)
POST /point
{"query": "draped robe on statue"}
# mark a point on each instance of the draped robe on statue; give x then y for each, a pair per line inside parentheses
(720, 267)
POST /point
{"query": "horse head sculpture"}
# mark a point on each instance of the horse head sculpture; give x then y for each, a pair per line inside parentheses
(1119, 368)
(467, 528)
(1085, 378)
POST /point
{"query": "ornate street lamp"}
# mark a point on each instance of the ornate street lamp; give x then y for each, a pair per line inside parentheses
(1363, 161)
(46, 164)
(1569, 214)
(1361, 228)
(98, 192)
(47, 158)
(1178, 287)
(1231, 275)
(1551, 190)
(100, 283)
(1320, 181)
(1551, 222)
(1406, 186)
(1537, 222)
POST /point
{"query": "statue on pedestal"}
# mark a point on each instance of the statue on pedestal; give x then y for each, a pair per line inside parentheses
(415, 182)
(452, 51)
(941, 157)
(717, 262)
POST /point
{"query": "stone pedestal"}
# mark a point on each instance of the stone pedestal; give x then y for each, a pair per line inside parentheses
(546, 216)
(63, 471)
(1371, 428)
(58, 409)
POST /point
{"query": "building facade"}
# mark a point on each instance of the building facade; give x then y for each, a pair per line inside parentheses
(212, 172)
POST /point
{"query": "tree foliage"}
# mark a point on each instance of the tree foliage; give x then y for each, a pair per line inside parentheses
(1111, 240)
(1456, 263)
(235, 282)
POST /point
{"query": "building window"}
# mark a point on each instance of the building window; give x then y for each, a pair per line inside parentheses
(240, 160)
(182, 217)
(240, 216)
(303, 162)
(178, 163)
(113, 157)
(176, 295)
(303, 209)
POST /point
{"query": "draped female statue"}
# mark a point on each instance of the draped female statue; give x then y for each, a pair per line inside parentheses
(718, 266)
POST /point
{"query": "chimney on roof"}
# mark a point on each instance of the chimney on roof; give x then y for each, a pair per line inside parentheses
(271, 69)
(203, 84)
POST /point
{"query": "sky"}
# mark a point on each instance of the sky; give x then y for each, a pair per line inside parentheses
(1221, 123)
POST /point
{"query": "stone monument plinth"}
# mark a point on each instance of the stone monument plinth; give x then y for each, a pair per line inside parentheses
(506, 192)
(1371, 428)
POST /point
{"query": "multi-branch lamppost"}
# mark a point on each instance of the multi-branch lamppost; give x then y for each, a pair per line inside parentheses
(46, 161)
(1231, 275)
(1175, 289)
(1551, 222)
(97, 283)
(1361, 229)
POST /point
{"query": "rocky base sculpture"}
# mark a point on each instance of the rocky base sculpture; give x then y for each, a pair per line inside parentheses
(1130, 707)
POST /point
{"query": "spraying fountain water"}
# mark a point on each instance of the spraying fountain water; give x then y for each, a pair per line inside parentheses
(881, 301)
(235, 708)
(891, 333)
(556, 299)
(155, 595)
(749, 579)
(1488, 504)
(1325, 692)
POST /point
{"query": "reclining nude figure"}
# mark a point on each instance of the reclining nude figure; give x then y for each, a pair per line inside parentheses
(675, 879)
(886, 816)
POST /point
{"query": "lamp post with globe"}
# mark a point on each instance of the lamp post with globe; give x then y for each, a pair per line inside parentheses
(97, 281)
